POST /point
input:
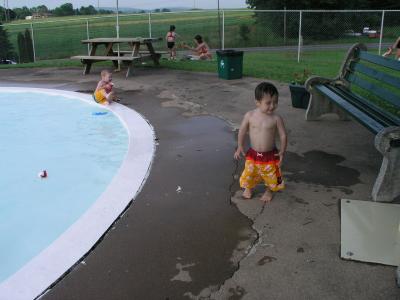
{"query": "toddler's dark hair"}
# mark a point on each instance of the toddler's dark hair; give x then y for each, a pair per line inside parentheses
(198, 38)
(172, 28)
(265, 88)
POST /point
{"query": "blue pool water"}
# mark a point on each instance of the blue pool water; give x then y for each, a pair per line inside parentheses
(79, 145)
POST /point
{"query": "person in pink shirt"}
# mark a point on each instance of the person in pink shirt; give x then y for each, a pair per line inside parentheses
(202, 51)
(171, 38)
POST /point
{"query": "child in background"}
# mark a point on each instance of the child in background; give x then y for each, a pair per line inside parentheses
(263, 160)
(394, 47)
(103, 93)
(171, 38)
(202, 50)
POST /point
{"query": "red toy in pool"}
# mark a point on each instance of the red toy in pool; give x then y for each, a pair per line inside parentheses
(43, 174)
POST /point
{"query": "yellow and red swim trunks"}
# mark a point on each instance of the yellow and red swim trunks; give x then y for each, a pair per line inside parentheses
(262, 166)
(99, 96)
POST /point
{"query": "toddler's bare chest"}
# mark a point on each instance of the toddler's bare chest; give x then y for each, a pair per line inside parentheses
(262, 125)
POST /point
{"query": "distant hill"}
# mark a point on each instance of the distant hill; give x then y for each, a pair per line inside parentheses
(131, 10)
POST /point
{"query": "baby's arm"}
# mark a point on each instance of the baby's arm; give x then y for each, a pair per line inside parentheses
(100, 85)
(188, 47)
(198, 48)
(282, 138)
(388, 52)
(244, 127)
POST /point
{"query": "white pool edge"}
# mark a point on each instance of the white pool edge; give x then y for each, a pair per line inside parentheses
(48, 266)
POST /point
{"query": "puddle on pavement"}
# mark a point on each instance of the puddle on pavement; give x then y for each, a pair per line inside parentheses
(318, 167)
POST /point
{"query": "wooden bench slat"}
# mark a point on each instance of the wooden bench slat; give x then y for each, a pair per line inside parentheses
(88, 57)
(120, 40)
(363, 118)
(370, 108)
(142, 52)
(380, 60)
(374, 89)
(373, 73)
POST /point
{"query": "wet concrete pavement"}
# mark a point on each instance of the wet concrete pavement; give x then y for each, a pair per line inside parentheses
(151, 253)
(185, 245)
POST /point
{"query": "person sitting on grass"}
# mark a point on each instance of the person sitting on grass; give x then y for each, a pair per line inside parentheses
(263, 160)
(395, 46)
(104, 93)
(202, 51)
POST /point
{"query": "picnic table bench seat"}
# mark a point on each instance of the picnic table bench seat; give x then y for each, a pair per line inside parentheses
(142, 52)
(105, 58)
(368, 90)
(109, 54)
(87, 60)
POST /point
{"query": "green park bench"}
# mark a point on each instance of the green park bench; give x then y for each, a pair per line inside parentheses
(367, 89)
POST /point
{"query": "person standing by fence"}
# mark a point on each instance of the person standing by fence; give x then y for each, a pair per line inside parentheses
(170, 38)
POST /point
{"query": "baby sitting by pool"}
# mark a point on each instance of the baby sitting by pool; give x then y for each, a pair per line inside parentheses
(104, 93)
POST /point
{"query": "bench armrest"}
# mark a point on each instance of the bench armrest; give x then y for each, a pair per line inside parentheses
(350, 56)
(314, 80)
(338, 80)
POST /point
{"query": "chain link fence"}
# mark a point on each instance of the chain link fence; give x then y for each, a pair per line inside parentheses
(290, 31)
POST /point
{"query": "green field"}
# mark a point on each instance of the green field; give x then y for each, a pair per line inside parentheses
(60, 37)
(269, 65)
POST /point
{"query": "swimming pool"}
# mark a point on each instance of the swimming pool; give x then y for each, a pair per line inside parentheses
(96, 158)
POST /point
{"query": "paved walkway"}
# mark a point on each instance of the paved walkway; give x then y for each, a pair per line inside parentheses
(171, 245)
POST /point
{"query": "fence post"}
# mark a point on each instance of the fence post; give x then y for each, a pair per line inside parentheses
(381, 33)
(300, 37)
(150, 24)
(87, 35)
(223, 30)
(33, 43)
(284, 26)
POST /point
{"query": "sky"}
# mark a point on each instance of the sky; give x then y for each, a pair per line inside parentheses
(142, 4)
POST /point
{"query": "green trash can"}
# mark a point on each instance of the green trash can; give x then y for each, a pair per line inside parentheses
(230, 64)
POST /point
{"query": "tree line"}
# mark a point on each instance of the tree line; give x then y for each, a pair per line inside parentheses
(25, 46)
(66, 9)
(324, 4)
(335, 25)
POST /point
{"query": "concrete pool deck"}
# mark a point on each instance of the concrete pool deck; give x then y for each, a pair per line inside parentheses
(186, 243)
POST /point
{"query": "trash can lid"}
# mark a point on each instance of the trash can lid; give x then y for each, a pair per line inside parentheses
(229, 52)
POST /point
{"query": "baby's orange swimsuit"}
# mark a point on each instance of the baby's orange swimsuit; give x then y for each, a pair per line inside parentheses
(262, 166)
(99, 94)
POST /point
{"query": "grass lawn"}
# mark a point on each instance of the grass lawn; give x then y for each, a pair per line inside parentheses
(268, 65)
(273, 65)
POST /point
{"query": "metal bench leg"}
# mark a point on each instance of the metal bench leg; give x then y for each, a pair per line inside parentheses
(319, 106)
(387, 184)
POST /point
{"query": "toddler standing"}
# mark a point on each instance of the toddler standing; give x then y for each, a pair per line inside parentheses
(171, 38)
(263, 159)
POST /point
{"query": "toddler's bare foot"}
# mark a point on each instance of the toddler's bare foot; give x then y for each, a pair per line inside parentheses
(267, 197)
(246, 194)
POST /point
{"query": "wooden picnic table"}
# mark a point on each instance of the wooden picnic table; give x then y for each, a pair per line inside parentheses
(134, 54)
